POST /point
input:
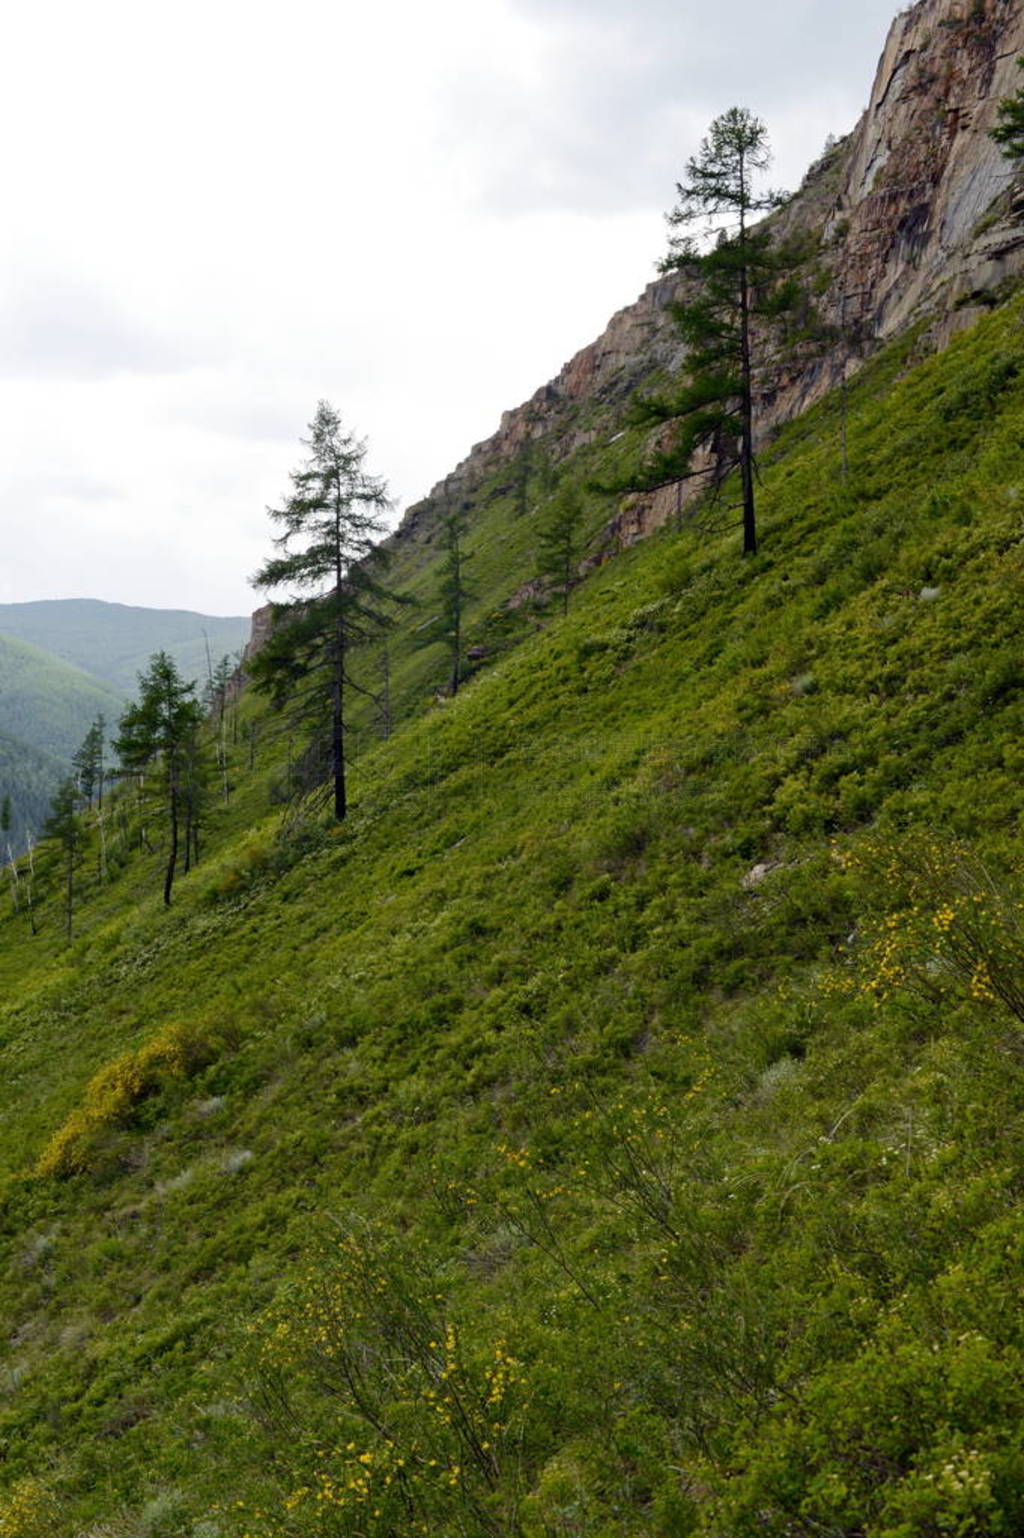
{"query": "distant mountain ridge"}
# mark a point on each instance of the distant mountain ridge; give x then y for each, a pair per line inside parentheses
(113, 642)
(63, 663)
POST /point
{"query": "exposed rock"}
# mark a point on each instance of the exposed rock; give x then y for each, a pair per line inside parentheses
(917, 211)
(259, 635)
(530, 592)
(758, 874)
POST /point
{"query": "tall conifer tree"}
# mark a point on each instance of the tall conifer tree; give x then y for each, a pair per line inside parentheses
(159, 734)
(330, 525)
(454, 594)
(736, 288)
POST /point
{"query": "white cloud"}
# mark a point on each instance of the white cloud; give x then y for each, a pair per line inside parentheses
(221, 212)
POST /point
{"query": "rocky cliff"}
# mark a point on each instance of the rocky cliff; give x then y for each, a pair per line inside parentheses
(916, 212)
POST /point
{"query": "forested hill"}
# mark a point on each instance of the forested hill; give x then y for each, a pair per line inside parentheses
(28, 780)
(47, 703)
(46, 708)
(63, 664)
(113, 642)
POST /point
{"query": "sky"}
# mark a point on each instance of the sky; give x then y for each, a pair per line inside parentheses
(217, 214)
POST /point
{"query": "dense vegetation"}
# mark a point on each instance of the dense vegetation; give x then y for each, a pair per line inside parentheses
(63, 664)
(114, 641)
(45, 703)
(30, 779)
(614, 1128)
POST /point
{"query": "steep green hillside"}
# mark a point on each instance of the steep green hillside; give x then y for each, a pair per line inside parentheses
(616, 1127)
(47, 704)
(114, 642)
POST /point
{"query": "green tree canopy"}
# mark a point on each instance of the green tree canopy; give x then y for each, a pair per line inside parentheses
(160, 731)
(454, 593)
(733, 284)
(1009, 130)
(65, 827)
(330, 557)
(88, 762)
(560, 542)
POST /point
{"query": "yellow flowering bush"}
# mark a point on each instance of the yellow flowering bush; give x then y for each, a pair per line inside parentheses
(401, 1420)
(28, 1510)
(948, 929)
(177, 1051)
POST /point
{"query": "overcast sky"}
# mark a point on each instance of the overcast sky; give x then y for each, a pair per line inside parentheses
(217, 213)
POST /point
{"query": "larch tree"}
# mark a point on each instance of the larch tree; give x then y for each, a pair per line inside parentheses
(88, 763)
(331, 559)
(737, 289)
(65, 826)
(560, 543)
(159, 737)
(454, 593)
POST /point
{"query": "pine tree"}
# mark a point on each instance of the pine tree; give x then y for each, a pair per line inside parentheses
(561, 543)
(88, 763)
(330, 526)
(159, 733)
(454, 594)
(736, 284)
(65, 826)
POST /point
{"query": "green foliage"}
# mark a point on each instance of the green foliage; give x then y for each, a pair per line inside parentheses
(46, 703)
(159, 745)
(1009, 130)
(88, 762)
(331, 525)
(454, 594)
(560, 543)
(112, 642)
(65, 826)
(31, 779)
(738, 281)
(653, 1021)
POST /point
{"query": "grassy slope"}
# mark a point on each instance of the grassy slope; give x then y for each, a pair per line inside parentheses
(628, 1187)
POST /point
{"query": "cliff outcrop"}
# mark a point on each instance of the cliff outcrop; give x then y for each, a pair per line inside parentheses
(916, 212)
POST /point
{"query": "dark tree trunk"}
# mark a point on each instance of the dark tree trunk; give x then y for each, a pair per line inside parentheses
(338, 693)
(172, 859)
(455, 679)
(747, 406)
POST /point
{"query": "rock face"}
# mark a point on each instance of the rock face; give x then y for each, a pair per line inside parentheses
(917, 212)
(917, 219)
